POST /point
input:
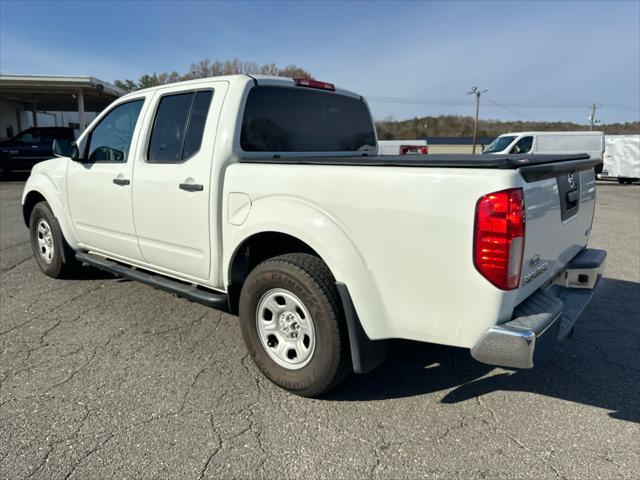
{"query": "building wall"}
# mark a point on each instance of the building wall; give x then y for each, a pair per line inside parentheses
(8, 118)
(454, 148)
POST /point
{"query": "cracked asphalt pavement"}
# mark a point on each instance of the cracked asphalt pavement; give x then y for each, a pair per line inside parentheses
(106, 378)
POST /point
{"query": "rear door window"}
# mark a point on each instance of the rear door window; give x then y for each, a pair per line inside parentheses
(282, 119)
(178, 127)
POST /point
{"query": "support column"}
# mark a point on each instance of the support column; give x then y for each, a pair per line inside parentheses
(80, 95)
(34, 114)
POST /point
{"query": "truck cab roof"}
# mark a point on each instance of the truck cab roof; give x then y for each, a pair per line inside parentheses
(239, 78)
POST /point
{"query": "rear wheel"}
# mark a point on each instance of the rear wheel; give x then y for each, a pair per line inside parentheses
(52, 253)
(293, 325)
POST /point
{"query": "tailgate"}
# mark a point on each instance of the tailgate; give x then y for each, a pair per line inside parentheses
(559, 213)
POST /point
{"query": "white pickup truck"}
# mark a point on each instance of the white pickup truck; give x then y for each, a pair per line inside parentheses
(265, 196)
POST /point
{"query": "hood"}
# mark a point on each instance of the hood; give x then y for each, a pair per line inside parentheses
(55, 164)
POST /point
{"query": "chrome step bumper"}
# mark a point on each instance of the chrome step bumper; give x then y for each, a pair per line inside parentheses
(554, 310)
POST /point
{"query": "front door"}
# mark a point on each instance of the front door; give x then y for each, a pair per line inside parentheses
(99, 185)
(173, 194)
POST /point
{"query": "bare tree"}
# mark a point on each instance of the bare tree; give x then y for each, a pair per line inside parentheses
(206, 68)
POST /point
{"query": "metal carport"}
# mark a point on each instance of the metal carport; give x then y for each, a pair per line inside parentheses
(53, 93)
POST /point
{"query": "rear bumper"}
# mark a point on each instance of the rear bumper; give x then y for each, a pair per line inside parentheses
(549, 314)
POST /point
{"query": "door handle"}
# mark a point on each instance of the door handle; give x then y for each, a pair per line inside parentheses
(572, 197)
(121, 181)
(191, 187)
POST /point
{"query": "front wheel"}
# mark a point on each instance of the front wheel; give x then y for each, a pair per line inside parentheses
(52, 253)
(293, 325)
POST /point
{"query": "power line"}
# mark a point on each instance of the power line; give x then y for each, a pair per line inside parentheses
(497, 104)
(504, 104)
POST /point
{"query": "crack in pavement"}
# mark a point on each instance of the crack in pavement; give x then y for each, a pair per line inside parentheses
(87, 455)
(216, 450)
(21, 262)
(53, 309)
(6, 247)
(515, 440)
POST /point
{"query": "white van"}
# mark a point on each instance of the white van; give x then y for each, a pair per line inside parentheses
(549, 143)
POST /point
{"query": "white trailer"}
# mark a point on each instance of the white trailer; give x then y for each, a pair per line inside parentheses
(622, 157)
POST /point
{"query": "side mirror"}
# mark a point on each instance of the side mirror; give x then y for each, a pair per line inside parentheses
(63, 147)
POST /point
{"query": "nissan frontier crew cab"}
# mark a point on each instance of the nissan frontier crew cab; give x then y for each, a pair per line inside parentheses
(266, 197)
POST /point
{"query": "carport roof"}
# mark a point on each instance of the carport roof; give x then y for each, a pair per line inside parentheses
(58, 92)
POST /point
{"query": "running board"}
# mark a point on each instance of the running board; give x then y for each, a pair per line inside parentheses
(190, 292)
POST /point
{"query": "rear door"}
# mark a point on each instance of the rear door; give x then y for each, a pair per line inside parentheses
(172, 195)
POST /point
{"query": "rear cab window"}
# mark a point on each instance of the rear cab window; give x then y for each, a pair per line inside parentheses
(178, 126)
(292, 119)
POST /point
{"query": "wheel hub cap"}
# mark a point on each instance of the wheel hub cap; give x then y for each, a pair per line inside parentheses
(285, 329)
(44, 237)
(289, 325)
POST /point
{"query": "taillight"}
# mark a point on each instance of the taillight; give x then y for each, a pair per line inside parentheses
(305, 82)
(405, 149)
(498, 243)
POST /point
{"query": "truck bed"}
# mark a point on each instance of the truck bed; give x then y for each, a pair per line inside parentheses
(532, 167)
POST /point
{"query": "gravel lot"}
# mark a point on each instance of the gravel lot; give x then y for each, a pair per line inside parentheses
(106, 378)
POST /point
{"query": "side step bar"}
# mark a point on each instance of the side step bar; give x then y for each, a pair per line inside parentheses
(190, 292)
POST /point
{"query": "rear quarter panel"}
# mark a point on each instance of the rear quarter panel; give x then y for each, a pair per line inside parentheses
(401, 239)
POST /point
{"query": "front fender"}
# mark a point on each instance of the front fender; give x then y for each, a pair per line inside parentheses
(50, 182)
(312, 225)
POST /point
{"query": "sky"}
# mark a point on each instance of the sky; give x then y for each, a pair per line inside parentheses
(539, 60)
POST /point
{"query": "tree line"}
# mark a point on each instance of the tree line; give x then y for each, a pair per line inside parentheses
(462, 126)
(207, 68)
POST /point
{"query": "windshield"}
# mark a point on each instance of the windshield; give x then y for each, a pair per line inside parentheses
(281, 119)
(499, 144)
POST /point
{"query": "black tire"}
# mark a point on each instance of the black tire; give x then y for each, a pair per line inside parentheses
(309, 279)
(62, 263)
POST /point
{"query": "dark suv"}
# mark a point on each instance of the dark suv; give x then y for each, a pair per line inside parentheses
(29, 147)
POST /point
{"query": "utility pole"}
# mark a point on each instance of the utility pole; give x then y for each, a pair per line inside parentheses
(477, 92)
(592, 117)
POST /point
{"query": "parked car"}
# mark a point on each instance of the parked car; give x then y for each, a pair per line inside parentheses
(265, 196)
(22, 152)
(402, 147)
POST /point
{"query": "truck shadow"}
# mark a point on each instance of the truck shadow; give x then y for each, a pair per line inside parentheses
(598, 366)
